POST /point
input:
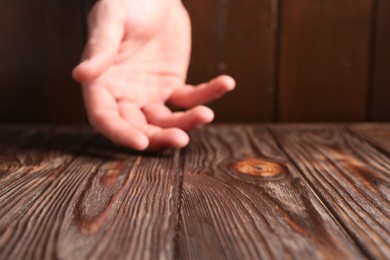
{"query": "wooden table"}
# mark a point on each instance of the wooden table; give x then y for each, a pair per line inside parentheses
(236, 192)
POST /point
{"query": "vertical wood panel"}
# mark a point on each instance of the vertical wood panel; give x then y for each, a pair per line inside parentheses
(236, 38)
(40, 44)
(380, 104)
(324, 59)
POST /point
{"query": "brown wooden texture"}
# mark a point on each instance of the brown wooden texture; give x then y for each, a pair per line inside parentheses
(380, 103)
(324, 59)
(40, 44)
(57, 203)
(377, 135)
(294, 60)
(237, 192)
(237, 38)
(352, 178)
(242, 199)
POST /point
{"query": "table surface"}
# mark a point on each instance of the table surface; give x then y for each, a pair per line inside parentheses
(236, 192)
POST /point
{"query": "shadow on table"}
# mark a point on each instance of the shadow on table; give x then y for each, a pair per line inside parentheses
(34, 144)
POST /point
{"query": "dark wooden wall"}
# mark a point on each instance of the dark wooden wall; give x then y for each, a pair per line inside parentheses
(294, 60)
(40, 42)
(380, 91)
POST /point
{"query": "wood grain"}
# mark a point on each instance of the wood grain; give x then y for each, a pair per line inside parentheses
(237, 38)
(324, 60)
(101, 203)
(237, 192)
(242, 199)
(376, 134)
(380, 108)
(352, 178)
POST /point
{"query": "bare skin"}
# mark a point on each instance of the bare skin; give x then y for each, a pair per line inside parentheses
(135, 62)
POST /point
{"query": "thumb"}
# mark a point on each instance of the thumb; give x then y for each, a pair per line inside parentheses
(106, 30)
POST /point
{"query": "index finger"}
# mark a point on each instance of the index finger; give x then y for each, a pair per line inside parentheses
(189, 96)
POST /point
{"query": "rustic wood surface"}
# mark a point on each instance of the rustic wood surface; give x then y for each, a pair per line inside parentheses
(236, 192)
(350, 176)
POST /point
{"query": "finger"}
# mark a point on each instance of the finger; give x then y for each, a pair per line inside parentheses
(159, 138)
(106, 31)
(103, 113)
(158, 114)
(168, 138)
(189, 96)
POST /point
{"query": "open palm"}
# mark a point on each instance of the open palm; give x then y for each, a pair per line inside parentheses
(136, 61)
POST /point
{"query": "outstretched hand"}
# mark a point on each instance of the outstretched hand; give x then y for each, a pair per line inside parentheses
(136, 61)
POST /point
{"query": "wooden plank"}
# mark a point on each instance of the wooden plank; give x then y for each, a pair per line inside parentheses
(237, 38)
(376, 134)
(380, 105)
(28, 164)
(106, 203)
(41, 42)
(324, 60)
(352, 178)
(242, 199)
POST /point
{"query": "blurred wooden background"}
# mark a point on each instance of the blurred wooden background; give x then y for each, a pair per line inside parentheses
(294, 60)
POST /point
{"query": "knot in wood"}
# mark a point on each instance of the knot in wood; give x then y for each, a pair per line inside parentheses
(258, 167)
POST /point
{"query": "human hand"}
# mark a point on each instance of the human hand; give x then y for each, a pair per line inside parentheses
(136, 61)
